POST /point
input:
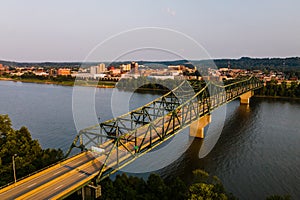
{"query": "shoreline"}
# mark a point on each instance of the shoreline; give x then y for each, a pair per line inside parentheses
(140, 90)
(68, 84)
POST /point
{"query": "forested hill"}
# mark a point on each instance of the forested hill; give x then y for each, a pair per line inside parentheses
(260, 63)
(242, 63)
(282, 64)
(40, 64)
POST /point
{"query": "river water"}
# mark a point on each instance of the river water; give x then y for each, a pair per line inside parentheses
(256, 155)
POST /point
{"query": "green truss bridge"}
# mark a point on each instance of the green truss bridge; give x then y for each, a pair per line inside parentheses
(110, 145)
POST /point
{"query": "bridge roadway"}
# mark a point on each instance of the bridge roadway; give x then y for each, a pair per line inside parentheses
(65, 177)
(33, 182)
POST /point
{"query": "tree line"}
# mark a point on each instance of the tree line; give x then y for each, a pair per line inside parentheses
(51, 78)
(143, 82)
(272, 88)
(28, 154)
(202, 187)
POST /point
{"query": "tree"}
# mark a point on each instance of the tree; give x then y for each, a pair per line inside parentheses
(178, 189)
(157, 187)
(108, 190)
(123, 188)
(30, 156)
(5, 127)
(204, 191)
(207, 187)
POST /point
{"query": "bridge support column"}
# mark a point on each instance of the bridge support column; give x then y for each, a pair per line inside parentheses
(197, 127)
(89, 192)
(245, 98)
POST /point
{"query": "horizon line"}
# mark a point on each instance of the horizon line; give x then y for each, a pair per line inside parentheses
(139, 60)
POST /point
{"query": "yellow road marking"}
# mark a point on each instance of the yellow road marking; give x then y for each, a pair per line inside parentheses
(52, 182)
(40, 173)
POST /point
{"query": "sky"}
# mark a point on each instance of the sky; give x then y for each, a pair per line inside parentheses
(70, 30)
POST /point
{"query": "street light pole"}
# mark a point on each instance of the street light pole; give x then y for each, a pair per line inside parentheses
(14, 167)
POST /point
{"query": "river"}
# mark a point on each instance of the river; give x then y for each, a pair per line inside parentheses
(256, 155)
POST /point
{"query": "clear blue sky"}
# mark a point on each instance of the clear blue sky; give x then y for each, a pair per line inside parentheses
(62, 30)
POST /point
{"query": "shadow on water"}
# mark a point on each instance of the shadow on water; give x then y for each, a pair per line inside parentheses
(237, 116)
(183, 167)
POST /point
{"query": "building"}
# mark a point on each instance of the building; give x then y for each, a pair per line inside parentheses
(3, 69)
(125, 67)
(83, 75)
(176, 67)
(40, 73)
(52, 72)
(93, 70)
(63, 72)
(115, 72)
(135, 66)
(100, 68)
(38, 70)
(165, 77)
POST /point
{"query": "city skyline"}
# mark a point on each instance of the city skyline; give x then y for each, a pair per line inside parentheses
(34, 31)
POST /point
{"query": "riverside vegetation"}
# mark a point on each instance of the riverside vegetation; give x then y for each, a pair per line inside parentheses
(203, 187)
(124, 187)
(273, 89)
(58, 80)
(29, 158)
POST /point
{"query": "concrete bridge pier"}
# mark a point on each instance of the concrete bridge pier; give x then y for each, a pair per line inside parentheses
(197, 127)
(245, 98)
(90, 192)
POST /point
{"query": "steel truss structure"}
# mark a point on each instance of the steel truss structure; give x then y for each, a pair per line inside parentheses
(129, 136)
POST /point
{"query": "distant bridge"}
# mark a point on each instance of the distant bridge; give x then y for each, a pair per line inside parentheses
(122, 140)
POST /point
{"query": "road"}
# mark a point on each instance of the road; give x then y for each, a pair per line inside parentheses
(30, 183)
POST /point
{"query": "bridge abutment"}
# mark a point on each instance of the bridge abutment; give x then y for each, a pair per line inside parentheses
(245, 98)
(197, 127)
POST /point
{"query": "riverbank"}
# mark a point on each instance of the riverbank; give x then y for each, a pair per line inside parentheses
(101, 84)
(112, 84)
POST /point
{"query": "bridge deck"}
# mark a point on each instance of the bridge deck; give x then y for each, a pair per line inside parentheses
(28, 184)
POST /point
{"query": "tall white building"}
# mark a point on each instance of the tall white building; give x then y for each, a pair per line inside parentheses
(101, 68)
(93, 69)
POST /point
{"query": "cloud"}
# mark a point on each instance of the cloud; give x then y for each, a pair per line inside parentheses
(170, 11)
